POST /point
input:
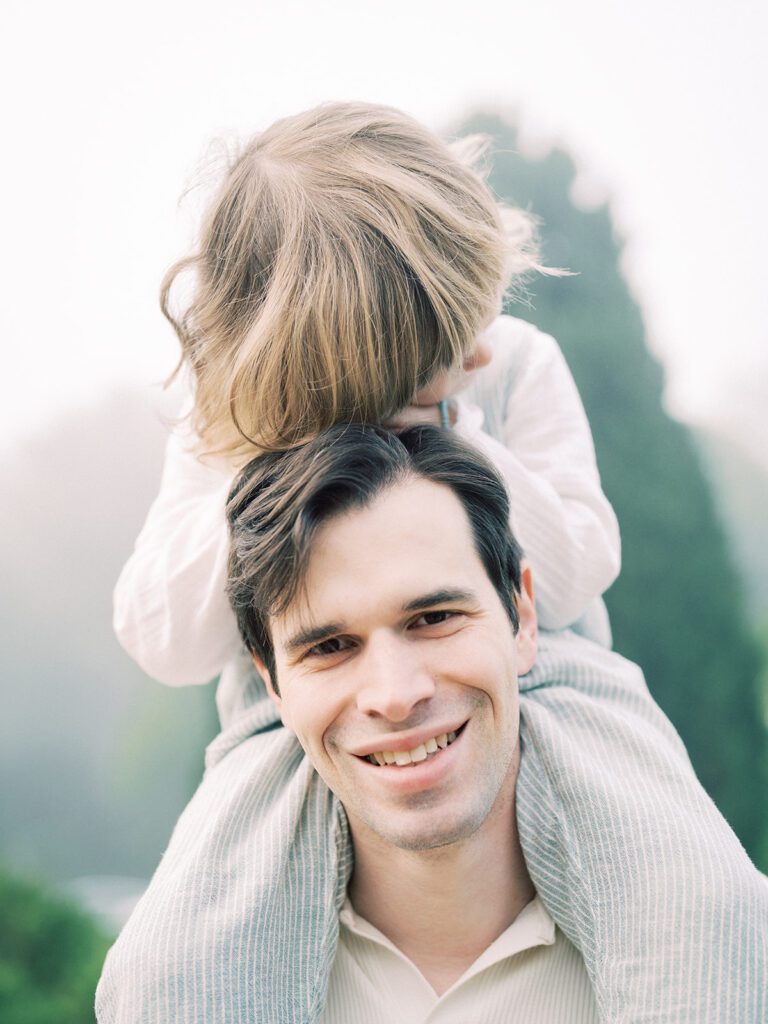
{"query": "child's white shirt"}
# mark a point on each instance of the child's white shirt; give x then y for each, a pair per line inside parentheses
(171, 612)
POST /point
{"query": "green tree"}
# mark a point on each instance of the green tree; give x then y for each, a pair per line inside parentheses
(50, 957)
(677, 608)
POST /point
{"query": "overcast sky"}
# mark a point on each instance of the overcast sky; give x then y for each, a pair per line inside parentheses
(662, 105)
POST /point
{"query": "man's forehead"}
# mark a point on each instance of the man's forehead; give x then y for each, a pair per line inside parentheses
(414, 539)
(413, 517)
(409, 508)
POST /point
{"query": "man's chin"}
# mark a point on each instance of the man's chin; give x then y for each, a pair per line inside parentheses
(431, 832)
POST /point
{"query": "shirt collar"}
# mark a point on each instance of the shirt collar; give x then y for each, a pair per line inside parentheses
(532, 927)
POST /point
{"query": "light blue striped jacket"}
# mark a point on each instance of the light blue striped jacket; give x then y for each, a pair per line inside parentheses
(635, 864)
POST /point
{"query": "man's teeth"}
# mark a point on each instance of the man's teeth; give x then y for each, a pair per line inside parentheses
(420, 753)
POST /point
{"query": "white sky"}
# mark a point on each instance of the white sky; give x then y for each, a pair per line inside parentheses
(662, 104)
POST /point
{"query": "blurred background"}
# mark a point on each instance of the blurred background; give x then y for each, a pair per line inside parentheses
(634, 132)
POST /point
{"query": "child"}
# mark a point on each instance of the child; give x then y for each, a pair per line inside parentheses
(351, 268)
(280, 349)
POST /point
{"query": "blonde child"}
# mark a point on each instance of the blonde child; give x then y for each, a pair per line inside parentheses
(351, 269)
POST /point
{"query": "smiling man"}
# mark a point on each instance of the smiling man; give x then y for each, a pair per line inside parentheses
(391, 619)
(449, 786)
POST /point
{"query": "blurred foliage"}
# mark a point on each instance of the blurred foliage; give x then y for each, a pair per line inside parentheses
(740, 485)
(103, 760)
(678, 608)
(50, 957)
(762, 639)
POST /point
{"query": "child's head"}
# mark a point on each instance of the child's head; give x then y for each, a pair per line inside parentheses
(348, 256)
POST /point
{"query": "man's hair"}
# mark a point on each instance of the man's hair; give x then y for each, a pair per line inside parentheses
(280, 500)
(348, 256)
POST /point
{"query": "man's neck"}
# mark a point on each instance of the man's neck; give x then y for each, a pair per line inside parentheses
(442, 908)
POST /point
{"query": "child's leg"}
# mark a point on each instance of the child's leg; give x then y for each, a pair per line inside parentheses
(240, 920)
(629, 854)
(240, 688)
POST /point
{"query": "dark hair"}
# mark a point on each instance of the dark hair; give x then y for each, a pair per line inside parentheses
(281, 498)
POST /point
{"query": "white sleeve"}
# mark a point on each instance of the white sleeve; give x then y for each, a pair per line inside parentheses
(171, 612)
(560, 516)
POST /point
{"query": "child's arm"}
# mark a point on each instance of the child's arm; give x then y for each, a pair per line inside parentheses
(171, 613)
(560, 515)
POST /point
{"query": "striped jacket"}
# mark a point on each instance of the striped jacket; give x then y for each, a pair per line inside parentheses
(629, 855)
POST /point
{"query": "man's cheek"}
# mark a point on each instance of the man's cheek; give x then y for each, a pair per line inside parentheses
(292, 720)
(308, 736)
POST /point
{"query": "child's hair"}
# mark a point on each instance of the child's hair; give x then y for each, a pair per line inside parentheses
(348, 256)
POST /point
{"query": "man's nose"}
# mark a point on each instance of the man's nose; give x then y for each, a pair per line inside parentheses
(395, 679)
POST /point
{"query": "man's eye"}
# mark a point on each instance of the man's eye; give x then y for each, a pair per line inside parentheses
(333, 645)
(434, 618)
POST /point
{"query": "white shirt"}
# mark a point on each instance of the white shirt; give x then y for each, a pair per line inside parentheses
(171, 613)
(531, 974)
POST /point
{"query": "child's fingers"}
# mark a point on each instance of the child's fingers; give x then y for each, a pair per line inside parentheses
(415, 415)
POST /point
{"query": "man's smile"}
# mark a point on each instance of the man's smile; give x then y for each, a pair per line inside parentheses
(428, 772)
(422, 751)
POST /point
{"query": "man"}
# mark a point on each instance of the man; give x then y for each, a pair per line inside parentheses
(379, 591)
(405, 619)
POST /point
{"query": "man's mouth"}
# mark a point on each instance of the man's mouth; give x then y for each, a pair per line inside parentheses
(426, 750)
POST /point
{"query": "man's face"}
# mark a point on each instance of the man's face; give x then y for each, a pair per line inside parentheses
(399, 643)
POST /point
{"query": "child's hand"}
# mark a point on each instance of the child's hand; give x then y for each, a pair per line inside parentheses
(425, 407)
(414, 415)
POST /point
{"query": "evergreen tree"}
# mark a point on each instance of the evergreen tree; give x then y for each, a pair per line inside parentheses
(677, 608)
(50, 957)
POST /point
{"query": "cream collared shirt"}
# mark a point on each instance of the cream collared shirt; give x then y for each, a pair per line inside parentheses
(531, 973)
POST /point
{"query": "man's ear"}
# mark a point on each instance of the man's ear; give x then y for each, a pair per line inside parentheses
(528, 631)
(266, 675)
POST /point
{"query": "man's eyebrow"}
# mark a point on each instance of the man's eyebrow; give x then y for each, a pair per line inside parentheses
(310, 637)
(448, 596)
(316, 634)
